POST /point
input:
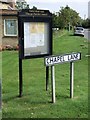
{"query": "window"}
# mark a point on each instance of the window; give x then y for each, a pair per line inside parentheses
(10, 27)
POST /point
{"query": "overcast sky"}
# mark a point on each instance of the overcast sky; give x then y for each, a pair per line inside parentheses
(81, 6)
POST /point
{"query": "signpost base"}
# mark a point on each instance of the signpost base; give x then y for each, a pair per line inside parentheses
(71, 79)
(53, 83)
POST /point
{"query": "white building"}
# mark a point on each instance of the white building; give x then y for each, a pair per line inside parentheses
(89, 9)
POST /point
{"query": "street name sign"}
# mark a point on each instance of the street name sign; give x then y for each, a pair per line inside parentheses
(51, 60)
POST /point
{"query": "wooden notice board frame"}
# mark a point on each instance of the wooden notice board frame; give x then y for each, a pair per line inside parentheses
(35, 18)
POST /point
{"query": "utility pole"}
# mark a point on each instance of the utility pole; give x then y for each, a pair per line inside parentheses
(69, 26)
(84, 16)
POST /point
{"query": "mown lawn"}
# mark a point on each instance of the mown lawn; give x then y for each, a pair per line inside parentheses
(36, 101)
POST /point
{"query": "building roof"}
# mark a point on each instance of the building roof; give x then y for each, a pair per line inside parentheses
(6, 12)
(6, 1)
(7, 4)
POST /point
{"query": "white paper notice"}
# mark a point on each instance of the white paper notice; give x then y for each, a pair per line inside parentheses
(33, 34)
(26, 35)
(33, 42)
(40, 39)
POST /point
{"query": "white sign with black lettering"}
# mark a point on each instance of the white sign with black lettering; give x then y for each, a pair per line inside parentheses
(51, 60)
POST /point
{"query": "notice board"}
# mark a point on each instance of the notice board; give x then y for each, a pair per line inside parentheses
(35, 33)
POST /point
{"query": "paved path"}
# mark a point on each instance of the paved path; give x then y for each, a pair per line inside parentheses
(87, 34)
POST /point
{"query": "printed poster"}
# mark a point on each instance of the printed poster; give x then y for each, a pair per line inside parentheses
(33, 34)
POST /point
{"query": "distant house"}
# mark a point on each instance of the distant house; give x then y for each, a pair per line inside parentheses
(8, 23)
(89, 9)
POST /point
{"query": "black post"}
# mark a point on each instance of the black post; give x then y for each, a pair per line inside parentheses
(47, 77)
(20, 77)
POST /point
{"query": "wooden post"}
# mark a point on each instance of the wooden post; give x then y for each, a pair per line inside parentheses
(71, 79)
(53, 83)
(20, 77)
(47, 77)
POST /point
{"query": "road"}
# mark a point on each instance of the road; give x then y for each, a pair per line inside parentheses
(87, 34)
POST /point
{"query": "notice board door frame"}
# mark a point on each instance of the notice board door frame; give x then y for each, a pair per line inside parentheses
(21, 21)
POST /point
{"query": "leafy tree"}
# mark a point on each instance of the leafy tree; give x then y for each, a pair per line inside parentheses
(22, 4)
(86, 23)
(34, 8)
(67, 16)
(54, 21)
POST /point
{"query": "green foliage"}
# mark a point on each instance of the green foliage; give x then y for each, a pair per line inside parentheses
(36, 102)
(55, 21)
(34, 8)
(65, 16)
(86, 23)
(22, 4)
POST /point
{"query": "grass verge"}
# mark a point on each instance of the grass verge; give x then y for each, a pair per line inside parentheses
(36, 102)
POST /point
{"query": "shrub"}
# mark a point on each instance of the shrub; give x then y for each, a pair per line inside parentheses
(9, 47)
